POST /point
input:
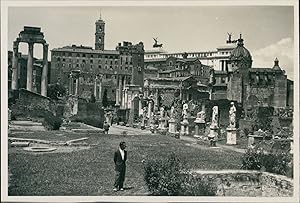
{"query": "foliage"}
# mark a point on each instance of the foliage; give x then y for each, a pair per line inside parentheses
(55, 91)
(93, 98)
(96, 121)
(105, 99)
(274, 162)
(170, 177)
(264, 118)
(52, 122)
(198, 186)
(251, 160)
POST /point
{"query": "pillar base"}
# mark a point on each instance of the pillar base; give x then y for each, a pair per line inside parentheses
(213, 136)
(231, 136)
(172, 126)
(184, 127)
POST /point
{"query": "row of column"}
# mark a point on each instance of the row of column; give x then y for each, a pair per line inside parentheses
(15, 67)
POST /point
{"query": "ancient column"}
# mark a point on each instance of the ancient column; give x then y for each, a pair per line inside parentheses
(29, 66)
(44, 79)
(77, 85)
(100, 88)
(15, 70)
(117, 97)
(95, 86)
(140, 106)
(120, 90)
(126, 99)
(71, 84)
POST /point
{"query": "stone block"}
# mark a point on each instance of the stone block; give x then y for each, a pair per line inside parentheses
(19, 144)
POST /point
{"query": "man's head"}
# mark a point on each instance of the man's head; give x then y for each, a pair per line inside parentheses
(122, 145)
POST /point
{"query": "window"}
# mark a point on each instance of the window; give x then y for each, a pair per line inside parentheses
(91, 61)
(77, 55)
(92, 56)
(70, 65)
(83, 60)
(77, 65)
(83, 55)
(99, 66)
(63, 59)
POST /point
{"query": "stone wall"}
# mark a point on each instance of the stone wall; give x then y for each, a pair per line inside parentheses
(249, 183)
(30, 101)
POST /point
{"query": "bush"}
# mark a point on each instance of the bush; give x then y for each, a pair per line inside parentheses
(95, 121)
(170, 177)
(198, 186)
(273, 162)
(251, 160)
(52, 122)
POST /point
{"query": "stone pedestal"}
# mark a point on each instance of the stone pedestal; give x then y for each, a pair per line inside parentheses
(172, 126)
(161, 124)
(199, 126)
(184, 127)
(253, 139)
(231, 136)
(213, 135)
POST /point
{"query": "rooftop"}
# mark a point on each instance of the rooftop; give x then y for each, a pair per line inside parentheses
(84, 49)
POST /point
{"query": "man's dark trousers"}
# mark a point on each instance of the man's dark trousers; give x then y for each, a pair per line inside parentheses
(120, 168)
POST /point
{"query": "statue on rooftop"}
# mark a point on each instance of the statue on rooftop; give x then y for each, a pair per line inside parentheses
(156, 43)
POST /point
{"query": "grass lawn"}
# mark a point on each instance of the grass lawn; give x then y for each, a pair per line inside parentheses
(91, 171)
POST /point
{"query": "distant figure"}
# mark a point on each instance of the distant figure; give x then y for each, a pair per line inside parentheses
(120, 158)
(106, 127)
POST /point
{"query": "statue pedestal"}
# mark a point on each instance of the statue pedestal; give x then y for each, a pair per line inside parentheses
(184, 127)
(199, 127)
(213, 135)
(231, 136)
(172, 126)
(161, 124)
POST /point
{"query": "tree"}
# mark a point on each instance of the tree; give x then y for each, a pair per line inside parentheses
(93, 98)
(104, 99)
(55, 91)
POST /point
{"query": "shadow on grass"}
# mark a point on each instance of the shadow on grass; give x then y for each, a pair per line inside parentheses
(128, 188)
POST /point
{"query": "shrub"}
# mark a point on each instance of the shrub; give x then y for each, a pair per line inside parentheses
(170, 177)
(52, 122)
(198, 186)
(274, 162)
(251, 160)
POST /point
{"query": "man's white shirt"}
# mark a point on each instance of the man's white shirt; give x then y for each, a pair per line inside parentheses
(122, 153)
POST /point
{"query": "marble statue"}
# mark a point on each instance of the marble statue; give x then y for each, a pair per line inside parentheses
(232, 115)
(214, 119)
(185, 110)
(172, 113)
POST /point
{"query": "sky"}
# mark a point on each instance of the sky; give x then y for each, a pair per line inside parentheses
(268, 31)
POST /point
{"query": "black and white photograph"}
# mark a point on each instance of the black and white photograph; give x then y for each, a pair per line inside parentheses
(149, 101)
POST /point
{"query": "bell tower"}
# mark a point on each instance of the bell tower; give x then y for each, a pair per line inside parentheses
(99, 35)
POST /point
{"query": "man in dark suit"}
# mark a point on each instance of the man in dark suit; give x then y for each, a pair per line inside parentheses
(120, 158)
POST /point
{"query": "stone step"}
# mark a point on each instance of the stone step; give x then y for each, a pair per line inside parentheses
(19, 144)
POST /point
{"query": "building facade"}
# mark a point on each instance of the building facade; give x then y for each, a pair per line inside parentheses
(88, 72)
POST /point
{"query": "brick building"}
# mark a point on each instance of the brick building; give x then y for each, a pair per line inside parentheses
(98, 70)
